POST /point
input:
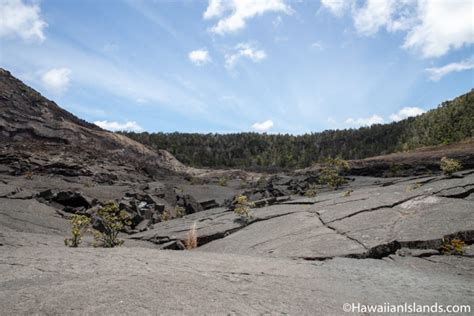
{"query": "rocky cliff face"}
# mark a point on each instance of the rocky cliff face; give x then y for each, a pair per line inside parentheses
(30, 120)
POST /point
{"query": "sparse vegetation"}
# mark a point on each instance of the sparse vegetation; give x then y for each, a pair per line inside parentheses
(113, 221)
(223, 181)
(242, 207)
(312, 191)
(394, 170)
(80, 225)
(453, 247)
(348, 193)
(449, 166)
(179, 211)
(191, 238)
(262, 181)
(165, 216)
(414, 186)
(331, 173)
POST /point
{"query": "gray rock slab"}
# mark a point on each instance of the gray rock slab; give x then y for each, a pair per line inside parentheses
(427, 218)
(297, 235)
(131, 281)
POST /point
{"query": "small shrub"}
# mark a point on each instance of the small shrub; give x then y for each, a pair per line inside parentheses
(449, 166)
(414, 186)
(453, 247)
(180, 211)
(113, 221)
(348, 193)
(165, 216)
(262, 181)
(331, 173)
(191, 238)
(223, 181)
(80, 225)
(242, 207)
(394, 170)
(312, 191)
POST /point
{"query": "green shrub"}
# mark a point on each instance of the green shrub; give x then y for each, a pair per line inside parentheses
(331, 173)
(449, 166)
(453, 247)
(80, 225)
(312, 191)
(223, 181)
(180, 211)
(165, 216)
(262, 181)
(242, 207)
(113, 221)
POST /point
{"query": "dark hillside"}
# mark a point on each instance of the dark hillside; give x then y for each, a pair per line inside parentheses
(450, 122)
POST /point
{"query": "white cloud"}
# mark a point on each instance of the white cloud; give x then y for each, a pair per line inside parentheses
(263, 126)
(367, 121)
(56, 80)
(436, 73)
(444, 25)
(244, 50)
(239, 11)
(199, 57)
(318, 45)
(18, 19)
(405, 113)
(337, 7)
(116, 126)
(432, 28)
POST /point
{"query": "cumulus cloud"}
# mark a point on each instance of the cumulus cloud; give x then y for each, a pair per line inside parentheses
(232, 15)
(56, 80)
(263, 126)
(116, 126)
(436, 73)
(444, 25)
(405, 113)
(22, 20)
(244, 50)
(199, 57)
(367, 121)
(432, 28)
(337, 7)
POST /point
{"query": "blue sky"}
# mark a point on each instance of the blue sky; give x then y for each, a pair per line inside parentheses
(239, 65)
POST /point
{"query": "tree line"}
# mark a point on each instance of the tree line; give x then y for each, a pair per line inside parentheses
(451, 121)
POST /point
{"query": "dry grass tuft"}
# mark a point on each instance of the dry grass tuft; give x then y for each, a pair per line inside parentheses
(191, 239)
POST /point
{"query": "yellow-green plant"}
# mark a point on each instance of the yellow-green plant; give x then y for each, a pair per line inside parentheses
(453, 247)
(414, 186)
(113, 221)
(348, 193)
(165, 216)
(223, 181)
(331, 173)
(242, 207)
(179, 211)
(449, 166)
(312, 191)
(80, 225)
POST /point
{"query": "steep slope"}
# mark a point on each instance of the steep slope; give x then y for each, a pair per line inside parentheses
(29, 119)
